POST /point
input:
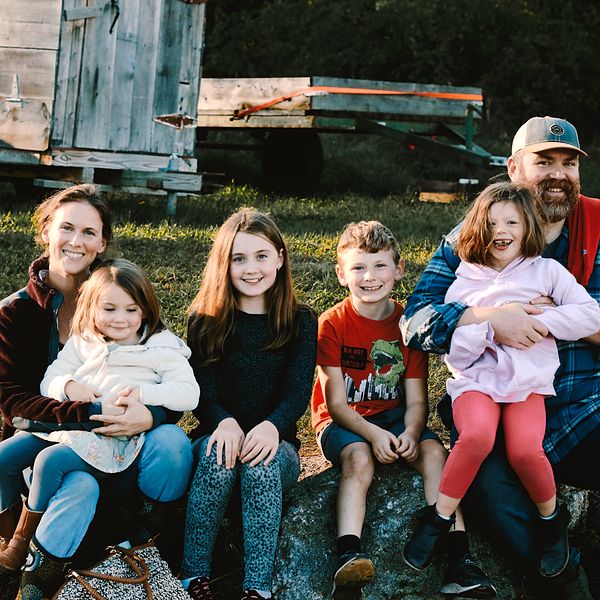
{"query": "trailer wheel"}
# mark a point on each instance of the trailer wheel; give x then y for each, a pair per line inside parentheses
(292, 159)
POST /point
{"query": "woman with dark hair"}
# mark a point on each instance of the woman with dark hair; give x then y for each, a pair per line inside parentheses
(35, 322)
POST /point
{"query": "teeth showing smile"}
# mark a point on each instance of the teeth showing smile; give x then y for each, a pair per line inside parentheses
(502, 244)
(72, 254)
(371, 289)
(252, 279)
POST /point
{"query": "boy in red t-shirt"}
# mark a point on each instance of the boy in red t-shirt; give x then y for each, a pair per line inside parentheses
(369, 404)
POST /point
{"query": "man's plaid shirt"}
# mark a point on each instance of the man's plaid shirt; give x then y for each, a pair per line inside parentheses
(428, 324)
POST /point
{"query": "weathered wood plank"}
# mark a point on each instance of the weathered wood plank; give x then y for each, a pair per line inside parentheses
(403, 106)
(85, 12)
(224, 96)
(229, 94)
(98, 62)
(144, 82)
(73, 157)
(35, 69)
(24, 125)
(191, 32)
(121, 107)
(30, 24)
(10, 156)
(171, 90)
(263, 121)
(67, 78)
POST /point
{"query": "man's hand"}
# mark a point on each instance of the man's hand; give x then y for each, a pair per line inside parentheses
(514, 326)
(260, 444)
(79, 392)
(409, 446)
(229, 438)
(385, 445)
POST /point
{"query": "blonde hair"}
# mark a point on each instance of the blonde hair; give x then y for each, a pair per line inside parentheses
(85, 192)
(130, 278)
(368, 236)
(213, 309)
(477, 234)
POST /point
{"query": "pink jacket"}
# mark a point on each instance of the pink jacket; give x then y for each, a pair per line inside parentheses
(478, 363)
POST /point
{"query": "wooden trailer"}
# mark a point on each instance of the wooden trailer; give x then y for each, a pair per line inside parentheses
(286, 115)
(89, 89)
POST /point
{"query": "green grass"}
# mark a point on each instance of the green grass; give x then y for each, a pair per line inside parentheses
(173, 252)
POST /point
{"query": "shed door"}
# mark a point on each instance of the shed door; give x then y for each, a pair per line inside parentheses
(122, 63)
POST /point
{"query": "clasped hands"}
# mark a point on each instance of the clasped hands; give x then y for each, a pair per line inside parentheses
(122, 414)
(258, 445)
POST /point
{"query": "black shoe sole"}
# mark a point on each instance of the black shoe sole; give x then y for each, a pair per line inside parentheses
(419, 569)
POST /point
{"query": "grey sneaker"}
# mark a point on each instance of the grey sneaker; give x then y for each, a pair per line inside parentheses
(466, 579)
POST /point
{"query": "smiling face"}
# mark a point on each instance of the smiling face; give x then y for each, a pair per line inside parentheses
(73, 239)
(253, 270)
(370, 277)
(506, 222)
(118, 318)
(554, 175)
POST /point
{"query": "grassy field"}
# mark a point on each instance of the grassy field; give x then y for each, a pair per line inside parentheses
(173, 252)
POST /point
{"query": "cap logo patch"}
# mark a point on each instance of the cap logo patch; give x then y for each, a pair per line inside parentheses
(557, 129)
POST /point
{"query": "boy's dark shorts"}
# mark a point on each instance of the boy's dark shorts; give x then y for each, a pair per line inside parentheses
(333, 439)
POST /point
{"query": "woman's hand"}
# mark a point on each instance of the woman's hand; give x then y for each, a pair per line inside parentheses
(79, 392)
(229, 438)
(260, 444)
(135, 418)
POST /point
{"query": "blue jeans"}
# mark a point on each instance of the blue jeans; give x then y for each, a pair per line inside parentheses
(163, 471)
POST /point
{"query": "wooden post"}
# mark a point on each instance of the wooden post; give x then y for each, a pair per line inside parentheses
(171, 203)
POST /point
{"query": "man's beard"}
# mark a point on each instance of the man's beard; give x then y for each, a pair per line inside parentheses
(553, 210)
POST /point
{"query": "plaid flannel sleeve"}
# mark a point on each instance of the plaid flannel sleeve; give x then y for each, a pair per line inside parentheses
(428, 323)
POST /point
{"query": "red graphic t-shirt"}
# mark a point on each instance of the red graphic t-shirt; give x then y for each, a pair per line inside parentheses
(372, 357)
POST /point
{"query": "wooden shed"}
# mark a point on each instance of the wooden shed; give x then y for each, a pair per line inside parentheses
(86, 87)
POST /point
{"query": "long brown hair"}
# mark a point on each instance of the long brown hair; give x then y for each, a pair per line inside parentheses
(133, 280)
(213, 309)
(477, 234)
(85, 192)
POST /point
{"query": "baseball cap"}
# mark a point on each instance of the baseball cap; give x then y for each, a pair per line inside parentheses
(544, 133)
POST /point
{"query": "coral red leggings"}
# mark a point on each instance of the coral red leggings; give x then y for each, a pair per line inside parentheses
(476, 417)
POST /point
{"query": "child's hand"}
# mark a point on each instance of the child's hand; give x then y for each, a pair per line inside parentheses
(79, 392)
(409, 447)
(261, 443)
(385, 445)
(229, 438)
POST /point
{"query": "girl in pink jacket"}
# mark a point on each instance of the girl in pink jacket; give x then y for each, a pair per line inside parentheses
(500, 245)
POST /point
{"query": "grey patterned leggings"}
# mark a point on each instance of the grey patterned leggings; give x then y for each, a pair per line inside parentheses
(262, 489)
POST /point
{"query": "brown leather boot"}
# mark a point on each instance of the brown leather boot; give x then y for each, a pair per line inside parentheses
(15, 553)
(8, 523)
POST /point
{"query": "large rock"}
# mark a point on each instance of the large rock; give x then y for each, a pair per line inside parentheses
(306, 553)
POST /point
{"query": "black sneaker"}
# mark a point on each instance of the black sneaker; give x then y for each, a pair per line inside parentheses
(465, 579)
(353, 569)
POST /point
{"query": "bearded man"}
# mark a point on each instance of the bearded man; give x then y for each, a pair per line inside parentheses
(545, 157)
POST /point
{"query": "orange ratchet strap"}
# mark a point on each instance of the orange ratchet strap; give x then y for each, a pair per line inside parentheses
(323, 89)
